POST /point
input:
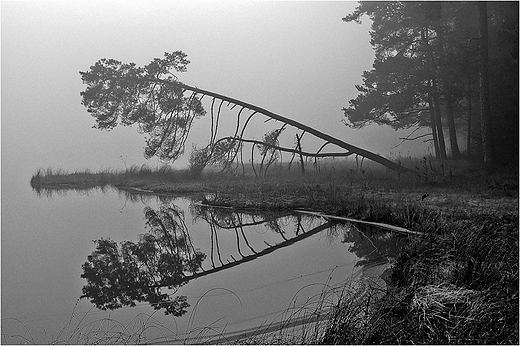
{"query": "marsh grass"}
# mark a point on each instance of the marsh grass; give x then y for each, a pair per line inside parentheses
(327, 185)
(58, 179)
(455, 285)
(352, 318)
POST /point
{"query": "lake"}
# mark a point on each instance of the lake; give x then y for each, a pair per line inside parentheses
(258, 271)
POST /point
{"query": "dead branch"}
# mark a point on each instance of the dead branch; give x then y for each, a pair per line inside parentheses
(288, 150)
(351, 148)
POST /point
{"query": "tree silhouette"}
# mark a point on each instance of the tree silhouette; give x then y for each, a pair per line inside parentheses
(127, 94)
(403, 89)
(136, 272)
(153, 98)
(429, 56)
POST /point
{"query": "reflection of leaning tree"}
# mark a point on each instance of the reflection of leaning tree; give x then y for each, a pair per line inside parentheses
(122, 275)
(230, 219)
(227, 218)
(137, 272)
(164, 109)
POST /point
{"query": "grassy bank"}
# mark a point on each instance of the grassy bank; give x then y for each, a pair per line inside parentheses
(455, 284)
(440, 185)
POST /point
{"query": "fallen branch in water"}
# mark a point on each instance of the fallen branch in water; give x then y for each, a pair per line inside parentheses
(377, 224)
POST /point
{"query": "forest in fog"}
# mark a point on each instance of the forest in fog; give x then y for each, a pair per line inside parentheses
(449, 66)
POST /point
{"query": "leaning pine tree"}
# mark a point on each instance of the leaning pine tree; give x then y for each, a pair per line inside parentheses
(164, 109)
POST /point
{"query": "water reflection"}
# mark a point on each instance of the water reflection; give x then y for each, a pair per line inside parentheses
(64, 190)
(165, 258)
(135, 272)
(129, 194)
(371, 244)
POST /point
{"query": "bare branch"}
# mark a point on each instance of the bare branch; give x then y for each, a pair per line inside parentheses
(407, 138)
(288, 150)
(413, 139)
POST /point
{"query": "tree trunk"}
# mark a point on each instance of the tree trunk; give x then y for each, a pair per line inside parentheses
(438, 120)
(434, 94)
(455, 152)
(434, 129)
(470, 112)
(485, 108)
(447, 84)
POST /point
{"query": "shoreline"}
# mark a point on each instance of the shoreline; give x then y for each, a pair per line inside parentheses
(468, 243)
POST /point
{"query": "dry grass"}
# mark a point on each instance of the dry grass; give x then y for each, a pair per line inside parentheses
(456, 285)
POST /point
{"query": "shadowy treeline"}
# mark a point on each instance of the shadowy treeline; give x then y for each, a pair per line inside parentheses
(451, 67)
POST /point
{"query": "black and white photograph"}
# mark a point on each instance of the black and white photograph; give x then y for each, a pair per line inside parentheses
(259, 172)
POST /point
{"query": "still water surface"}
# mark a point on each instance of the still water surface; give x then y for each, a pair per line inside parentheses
(285, 264)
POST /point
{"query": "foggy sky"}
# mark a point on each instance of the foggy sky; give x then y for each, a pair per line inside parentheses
(297, 59)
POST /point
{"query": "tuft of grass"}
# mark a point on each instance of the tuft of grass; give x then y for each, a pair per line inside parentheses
(350, 320)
